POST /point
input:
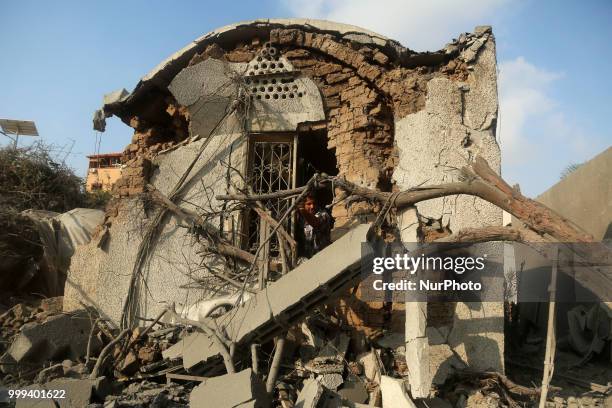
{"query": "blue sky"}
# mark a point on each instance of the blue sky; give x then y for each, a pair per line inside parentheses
(59, 58)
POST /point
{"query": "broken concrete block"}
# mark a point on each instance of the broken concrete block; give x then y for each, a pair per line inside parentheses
(324, 368)
(311, 394)
(394, 394)
(339, 263)
(194, 349)
(331, 381)
(354, 390)
(207, 90)
(240, 389)
(334, 350)
(417, 349)
(115, 96)
(370, 364)
(59, 337)
(330, 358)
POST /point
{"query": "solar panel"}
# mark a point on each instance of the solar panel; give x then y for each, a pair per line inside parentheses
(19, 127)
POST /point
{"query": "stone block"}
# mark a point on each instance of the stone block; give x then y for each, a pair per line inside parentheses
(394, 394)
(311, 394)
(194, 349)
(59, 337)
(242, 389)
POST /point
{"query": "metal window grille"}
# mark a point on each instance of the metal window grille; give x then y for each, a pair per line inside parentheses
(272, 168)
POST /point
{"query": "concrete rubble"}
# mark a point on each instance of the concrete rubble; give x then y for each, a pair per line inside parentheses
(63, 336)
(243, 389)
(394, 394)
(192, 288)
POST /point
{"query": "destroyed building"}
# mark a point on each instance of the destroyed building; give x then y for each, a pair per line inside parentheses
(260, 108)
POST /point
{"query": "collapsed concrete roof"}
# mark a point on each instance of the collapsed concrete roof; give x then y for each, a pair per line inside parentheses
(118, 102)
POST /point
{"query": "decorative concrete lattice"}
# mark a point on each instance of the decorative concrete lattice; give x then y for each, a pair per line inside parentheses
(271, 76)
(268, 61)
(274, 87)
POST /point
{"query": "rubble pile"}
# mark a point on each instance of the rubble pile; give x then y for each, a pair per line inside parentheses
(195, 288)
(45, 348)
(323, 365)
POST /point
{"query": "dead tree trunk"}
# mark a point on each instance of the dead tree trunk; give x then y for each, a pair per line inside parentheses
(481, 181)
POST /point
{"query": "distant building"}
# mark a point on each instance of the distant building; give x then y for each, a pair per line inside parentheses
(104, 170)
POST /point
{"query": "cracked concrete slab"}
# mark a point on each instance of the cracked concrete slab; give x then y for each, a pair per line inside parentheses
(282, 303)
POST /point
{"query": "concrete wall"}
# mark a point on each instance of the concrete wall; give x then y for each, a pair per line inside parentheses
(585, 196)
(210, 91)
(458, 122)
(101, 271)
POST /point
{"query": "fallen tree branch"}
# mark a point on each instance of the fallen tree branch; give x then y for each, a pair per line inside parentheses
(95, 373)
(216, 338)
(590, 263)
(502, 379)
(479, 181)
(192, 218)
(92, 331)
(270, 220)
(289, 210)
(276, 360)
(482, 182)
(493, 233)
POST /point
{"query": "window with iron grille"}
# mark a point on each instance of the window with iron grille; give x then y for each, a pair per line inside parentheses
(271, 169)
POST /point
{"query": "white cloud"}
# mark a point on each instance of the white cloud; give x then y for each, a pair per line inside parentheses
(539, 136)
(418, 25)
(524, 98)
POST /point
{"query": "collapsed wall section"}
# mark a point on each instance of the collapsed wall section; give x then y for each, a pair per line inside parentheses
(393, 118)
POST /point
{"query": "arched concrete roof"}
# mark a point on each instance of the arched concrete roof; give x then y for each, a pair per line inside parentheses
(245, 29)
(229, 35)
